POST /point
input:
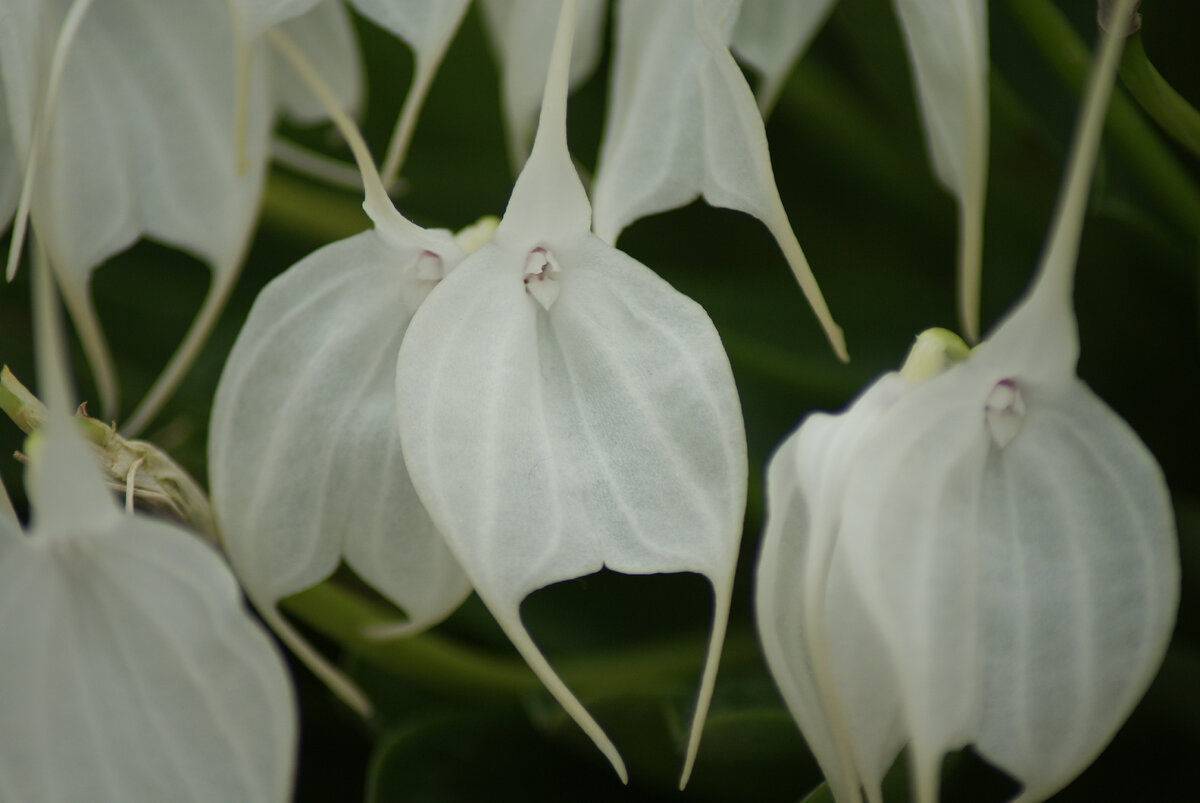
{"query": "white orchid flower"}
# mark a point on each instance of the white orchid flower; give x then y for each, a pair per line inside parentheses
(977, 552)
(132, 670)
(562, 410)
(304, 451)
(682, 122)
(122, 114)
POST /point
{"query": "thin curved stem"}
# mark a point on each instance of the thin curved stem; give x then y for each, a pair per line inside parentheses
(406, 123)
(1158, 98)
(95, 346)
(1050, 31)
(313, 164)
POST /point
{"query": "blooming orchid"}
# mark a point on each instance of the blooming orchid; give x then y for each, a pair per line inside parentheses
(122, 114)
(132, 670)
(562, 409)
(303, 479)
(978, 551)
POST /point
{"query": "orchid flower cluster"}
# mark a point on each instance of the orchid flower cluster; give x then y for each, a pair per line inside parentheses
(977, 553)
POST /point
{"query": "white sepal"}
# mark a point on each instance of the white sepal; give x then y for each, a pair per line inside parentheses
(682, 122)
(132, 670)
(304, 454)
(948, 47)
(132, 150)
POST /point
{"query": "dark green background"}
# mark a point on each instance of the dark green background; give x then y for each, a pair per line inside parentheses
(850, 162)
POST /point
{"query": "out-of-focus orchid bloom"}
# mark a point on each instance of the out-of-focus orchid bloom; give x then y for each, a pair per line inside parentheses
(304, 450)
(682, 122)
(512, 26)
(123, 113)
(977, 552)
(562, 409)
(132, 670)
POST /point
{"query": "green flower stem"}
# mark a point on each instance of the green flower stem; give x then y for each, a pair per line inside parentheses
(434, 662)
(1067, 54)
(310, 211)
(1152, 92)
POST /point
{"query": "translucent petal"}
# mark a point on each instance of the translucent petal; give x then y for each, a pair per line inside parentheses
(10, 170)
(1081, 576)
(770, 35)
(682, 122)
(133, 672)
(135, 149)
(254, 17)
(426, 27)
(304, 454)
(326, 36)
(605, 431)
(947, 45)
(516, 29)
(821, 646)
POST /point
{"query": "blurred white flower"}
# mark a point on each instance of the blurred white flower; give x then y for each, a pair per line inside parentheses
(122, 113)
(132, 670)
(977, 552)
(305, 466)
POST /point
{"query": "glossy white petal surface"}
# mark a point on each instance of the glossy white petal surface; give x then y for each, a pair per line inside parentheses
(771, 34)
(304, 454)
(516, 30)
